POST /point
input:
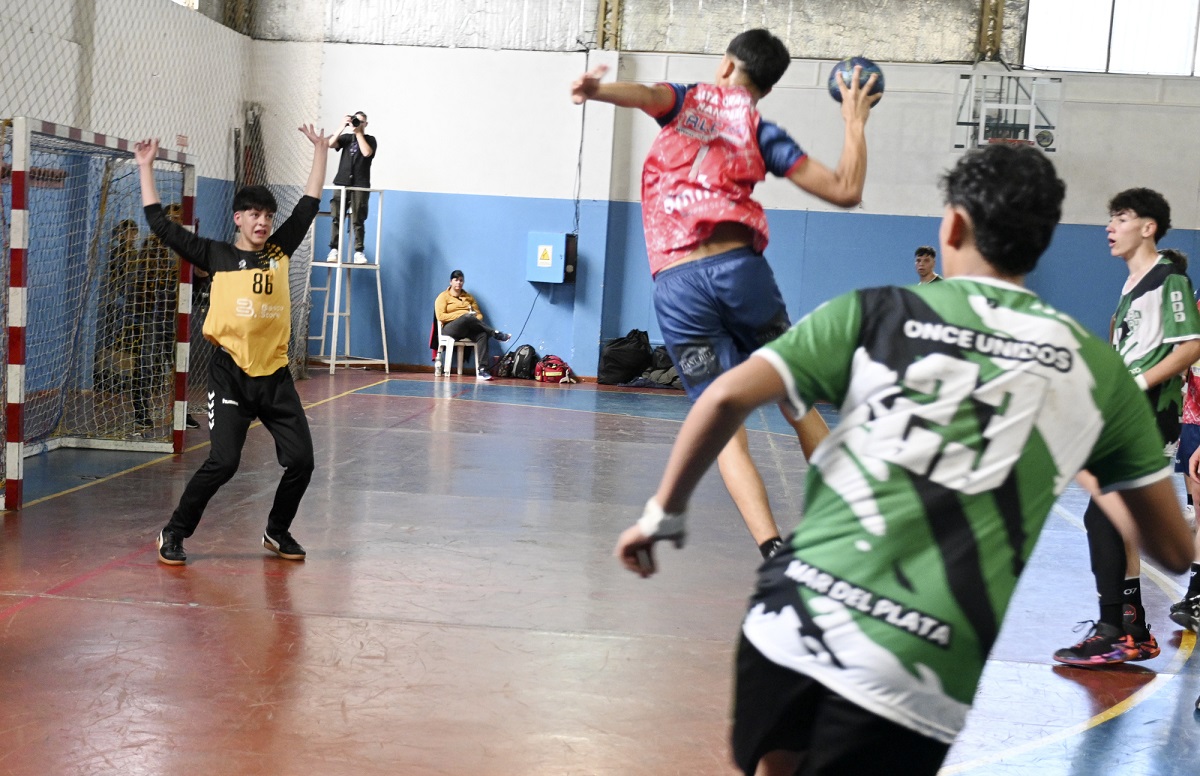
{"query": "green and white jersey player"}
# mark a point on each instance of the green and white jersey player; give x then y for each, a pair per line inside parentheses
(1157, 311)
(966, 407)
(1157, 333)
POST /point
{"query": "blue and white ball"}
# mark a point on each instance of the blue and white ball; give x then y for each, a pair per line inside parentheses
(846, 68)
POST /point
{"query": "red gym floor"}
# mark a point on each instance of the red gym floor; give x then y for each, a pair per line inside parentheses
(460, 612)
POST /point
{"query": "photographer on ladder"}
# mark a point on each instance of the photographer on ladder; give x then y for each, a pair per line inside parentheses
(354, 169)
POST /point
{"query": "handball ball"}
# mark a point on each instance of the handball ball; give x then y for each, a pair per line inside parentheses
(846, 68)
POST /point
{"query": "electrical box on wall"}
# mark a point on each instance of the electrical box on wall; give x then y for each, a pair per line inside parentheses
(550, 257)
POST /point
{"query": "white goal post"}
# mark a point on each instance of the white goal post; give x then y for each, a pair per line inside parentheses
(97, 309)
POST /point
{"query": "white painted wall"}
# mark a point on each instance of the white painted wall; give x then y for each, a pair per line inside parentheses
(501, 123)
(284, 79)
(1123, 131)
(153, 68)
(1114, 132)
(463, 121)
(473, 121)
(130, 68)
(161, 70)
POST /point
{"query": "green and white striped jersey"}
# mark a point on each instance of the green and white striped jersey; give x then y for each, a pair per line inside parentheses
(1155, 315)
(966, 408)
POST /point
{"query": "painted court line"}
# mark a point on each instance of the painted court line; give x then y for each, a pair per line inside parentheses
(70, 583)
(169, 456)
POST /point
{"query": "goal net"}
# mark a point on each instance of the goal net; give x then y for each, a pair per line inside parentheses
(92, 299)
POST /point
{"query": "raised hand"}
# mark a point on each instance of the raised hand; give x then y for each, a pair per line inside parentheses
(584, 87)
(857, 99)
(145, 151)
(316, 176)
(315, 136)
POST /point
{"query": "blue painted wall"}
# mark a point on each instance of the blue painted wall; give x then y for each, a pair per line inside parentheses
(818, 255)
(426, 236)
(214, 200)
(815, 256)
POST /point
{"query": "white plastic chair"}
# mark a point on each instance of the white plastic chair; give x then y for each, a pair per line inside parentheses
(447, 346)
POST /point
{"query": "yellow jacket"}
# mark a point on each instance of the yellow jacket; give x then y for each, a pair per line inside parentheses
(447, 307)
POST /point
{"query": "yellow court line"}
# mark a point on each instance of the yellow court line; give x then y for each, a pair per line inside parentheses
(169, 456)
(1187, 645)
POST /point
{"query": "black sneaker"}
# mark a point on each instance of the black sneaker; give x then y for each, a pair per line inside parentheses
(1143, 639)
(170, 549)
(190, 422)
(143, 424)
(1187, 613)
(285, 546)
(502, 336)
(1104, 645)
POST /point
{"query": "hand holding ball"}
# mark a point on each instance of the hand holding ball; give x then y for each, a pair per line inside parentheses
(846, 68)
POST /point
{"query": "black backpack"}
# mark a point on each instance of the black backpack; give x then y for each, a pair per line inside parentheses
(505, 367)
(661, 359)
(624, 358)
(525, 360)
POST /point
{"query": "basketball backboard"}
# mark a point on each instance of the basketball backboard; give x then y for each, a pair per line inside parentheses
(1004, 107)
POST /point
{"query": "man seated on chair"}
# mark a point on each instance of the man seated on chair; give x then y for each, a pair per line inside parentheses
(460, 317)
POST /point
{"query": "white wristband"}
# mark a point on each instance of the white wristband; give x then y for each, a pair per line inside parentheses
(1141, 382)
(654, 522)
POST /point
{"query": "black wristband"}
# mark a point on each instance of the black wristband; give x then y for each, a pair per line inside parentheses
(770, 547)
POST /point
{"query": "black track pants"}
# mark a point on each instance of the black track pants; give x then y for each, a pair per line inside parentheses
(235, 400)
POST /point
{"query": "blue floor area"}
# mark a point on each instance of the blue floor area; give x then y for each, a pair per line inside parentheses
(669, 405)
(59, 471)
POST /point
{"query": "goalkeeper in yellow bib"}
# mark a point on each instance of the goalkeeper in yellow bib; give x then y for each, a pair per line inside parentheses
(967, 406)
(249, 321)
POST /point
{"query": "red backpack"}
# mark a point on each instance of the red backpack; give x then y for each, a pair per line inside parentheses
(552, 369)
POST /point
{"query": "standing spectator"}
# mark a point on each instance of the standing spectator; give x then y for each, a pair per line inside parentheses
(354, 169)
(116, 351)
(151, 302)
(926, 256)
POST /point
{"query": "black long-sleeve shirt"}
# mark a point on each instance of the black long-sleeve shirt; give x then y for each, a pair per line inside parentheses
(250, 305)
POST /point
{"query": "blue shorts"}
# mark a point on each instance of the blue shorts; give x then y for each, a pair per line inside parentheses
(714, 312)
(1189, 440)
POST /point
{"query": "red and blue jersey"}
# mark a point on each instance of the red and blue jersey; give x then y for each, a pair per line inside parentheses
(702, 169)
(1191, 390)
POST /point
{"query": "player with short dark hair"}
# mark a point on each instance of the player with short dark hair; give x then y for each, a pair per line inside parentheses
(923, 259)
(1156, 329)
(714, 293)
(764, 58)
(966, 408)
(250, 322)
(254, 198)
(1144, 203)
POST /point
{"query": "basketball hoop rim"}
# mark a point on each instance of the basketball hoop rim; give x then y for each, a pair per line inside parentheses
(1009, 141)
